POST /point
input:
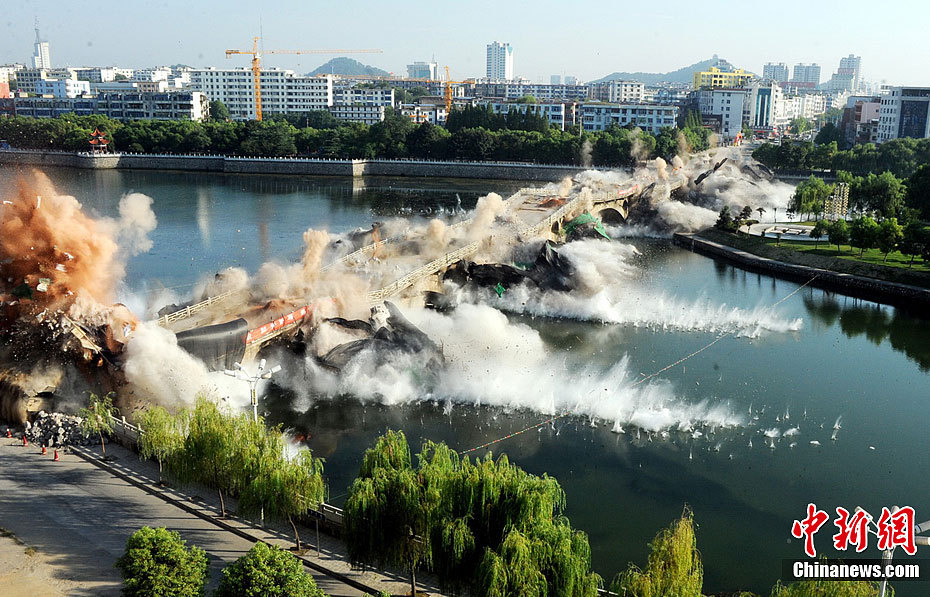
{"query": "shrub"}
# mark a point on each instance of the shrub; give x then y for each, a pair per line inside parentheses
(158, 563)
(267, 571)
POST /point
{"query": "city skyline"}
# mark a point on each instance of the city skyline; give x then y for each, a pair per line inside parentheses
(589, 51)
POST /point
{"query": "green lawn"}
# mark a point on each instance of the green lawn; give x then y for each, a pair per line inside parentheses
(871, 256)
(826, 256)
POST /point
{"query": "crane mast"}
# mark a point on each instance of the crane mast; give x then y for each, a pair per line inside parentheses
(257, 65)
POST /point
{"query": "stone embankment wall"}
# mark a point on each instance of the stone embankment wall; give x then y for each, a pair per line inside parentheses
(298, 166)
(859, 286)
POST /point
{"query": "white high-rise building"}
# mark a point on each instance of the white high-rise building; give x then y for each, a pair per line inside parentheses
(806, 73)
(904, 112)
(625, 92)
(766, 108)
(500, 61)
(775, 71)
(423, 70)
(40, 56)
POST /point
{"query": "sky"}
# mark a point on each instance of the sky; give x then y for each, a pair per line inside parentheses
(585, 38)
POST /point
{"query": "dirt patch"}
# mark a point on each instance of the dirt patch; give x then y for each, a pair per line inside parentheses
(25, 572)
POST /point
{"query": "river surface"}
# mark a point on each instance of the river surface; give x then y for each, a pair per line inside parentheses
(805, 362)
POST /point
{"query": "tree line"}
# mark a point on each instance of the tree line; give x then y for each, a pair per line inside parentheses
(235, 455)
(472, 134)
(483, 526)
(901, 157)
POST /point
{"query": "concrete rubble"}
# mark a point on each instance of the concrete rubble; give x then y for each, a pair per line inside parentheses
(55, 430)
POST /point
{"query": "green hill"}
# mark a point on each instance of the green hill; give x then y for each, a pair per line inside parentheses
(682, 75)
(347, 66)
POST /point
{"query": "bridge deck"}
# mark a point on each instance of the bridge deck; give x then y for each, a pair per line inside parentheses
(527, 214)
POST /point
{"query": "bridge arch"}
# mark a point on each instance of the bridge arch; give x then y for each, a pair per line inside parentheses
(611, 216)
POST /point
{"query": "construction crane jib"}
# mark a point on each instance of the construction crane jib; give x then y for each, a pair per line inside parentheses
(257, 65)
(447, 91)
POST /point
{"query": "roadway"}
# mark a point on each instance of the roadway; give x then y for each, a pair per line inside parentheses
(78, 517)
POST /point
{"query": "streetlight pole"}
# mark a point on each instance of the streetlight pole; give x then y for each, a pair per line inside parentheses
(239, 373)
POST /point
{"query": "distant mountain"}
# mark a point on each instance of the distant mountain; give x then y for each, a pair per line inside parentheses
(347, 66)
(682, 75)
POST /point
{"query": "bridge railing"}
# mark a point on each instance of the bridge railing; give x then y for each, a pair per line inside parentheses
(432, 267)
(191, 310)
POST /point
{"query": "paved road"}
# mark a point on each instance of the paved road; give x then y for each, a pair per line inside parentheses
(80, 516)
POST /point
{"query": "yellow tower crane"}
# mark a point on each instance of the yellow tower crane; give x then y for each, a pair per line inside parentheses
(257, 69)
(447, 91)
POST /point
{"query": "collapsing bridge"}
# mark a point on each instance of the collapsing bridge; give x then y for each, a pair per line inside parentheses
(528, 214)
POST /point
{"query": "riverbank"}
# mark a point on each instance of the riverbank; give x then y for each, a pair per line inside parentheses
(294, 166)
(861, 280)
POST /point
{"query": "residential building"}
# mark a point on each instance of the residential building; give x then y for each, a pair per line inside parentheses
(861, 118)
(365, 113)
(423, 70)
(161, 73)
(40, 55)
(130, 87)
(776, 72)
(183, 105)
(806, 75)
(433, 113)
(714, 77)
(62, 87)
(617, 91)
(500, 61)
(516, 90)
(27, 77)
(355, 96)
(545, 92)
(649, 117)
(625, 92)
(728, 104)
(846, 77)
(8, 71)
(559, 114)
(283, 91)
(851, 65)
(98, 74)
(904, 112)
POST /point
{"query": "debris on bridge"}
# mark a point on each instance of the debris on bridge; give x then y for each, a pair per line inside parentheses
(62, 332)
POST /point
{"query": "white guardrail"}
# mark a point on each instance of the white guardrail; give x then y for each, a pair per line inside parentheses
(190, 310)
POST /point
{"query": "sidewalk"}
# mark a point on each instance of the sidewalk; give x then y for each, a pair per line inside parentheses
(84, 510)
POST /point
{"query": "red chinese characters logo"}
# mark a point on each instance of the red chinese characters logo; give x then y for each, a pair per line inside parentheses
(893, 529)
(853, 530)
(808, 527)
(896, 529)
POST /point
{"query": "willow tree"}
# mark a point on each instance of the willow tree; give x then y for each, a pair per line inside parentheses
(674, 566)
(387, 513)
(96, 418)
(487, 525)
(210, 450)
(280, 486)
(162, 436)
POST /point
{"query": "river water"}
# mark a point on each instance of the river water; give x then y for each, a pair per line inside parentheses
(804, 363)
